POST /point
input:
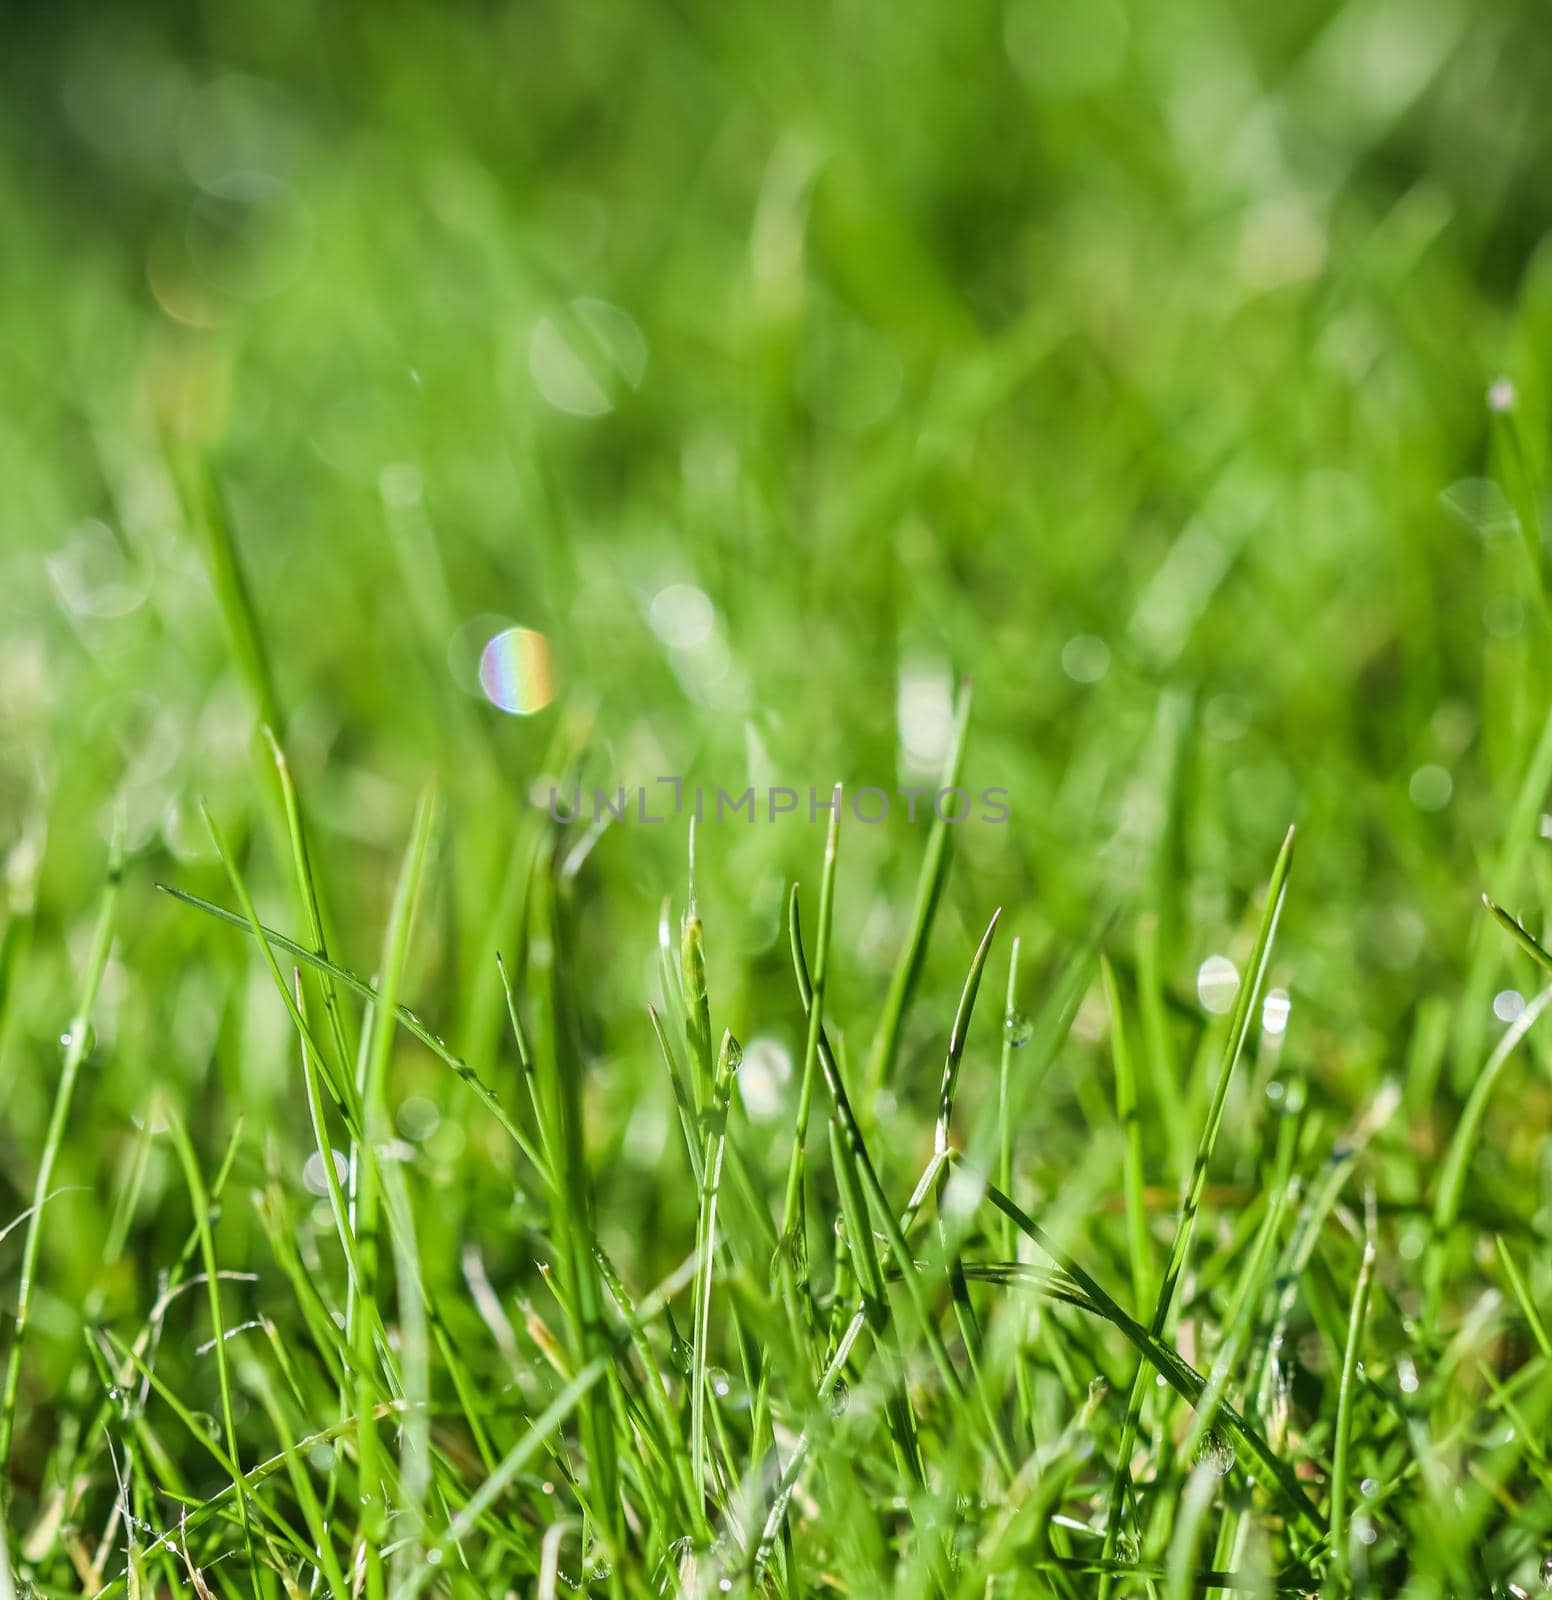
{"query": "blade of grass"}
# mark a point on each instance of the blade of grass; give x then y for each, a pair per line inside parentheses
(705, 1255)
(964, 1311)
(77, 1042)
(269, 939)
(1129, 1114)
(1521, 1293)
(1239, 1028)
(1342, 1444)
(1463, 1143)
(200, 1201)
(366, 1179)
(929, 889)
(1188, 1384)
(206, 513)
(854, 1154)
(792, 1248)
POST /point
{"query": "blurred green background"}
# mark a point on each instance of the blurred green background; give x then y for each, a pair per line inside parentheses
(782, 365)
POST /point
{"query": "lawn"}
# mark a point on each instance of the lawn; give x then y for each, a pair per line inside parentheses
(775, 789)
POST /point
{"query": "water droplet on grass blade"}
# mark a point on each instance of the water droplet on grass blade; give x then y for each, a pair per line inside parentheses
(1217, 982)
(1018, 1029)
(1215, 1451)
(315, 1179)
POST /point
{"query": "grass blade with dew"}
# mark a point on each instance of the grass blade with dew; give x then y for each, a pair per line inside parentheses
(1517, 931)
(77, 1042)
(366, 1178)
(1342, 1442)
(1463, 1142)
(1506, 872)
(335, 1079)
(1164, 1360)
(1239, 1029)
(327, 1559)
(1013, 1027)
(271, 939)
(200, 1201)
(929, 889)
(684, 1102)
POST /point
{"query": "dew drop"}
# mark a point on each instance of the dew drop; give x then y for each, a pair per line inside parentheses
(1215, 1451)
(1217, 982)
(1546, 1572)
(682, 1355)
(314, 1177)
(840, 1398)
(1017, 1029)
(1274, 1011)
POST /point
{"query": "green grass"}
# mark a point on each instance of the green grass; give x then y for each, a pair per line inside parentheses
(1138, 409)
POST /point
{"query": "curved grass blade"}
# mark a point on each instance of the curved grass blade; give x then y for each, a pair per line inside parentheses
(406, 1018)
(1239, 1028)
(1452, 1172)
(77, 1042)
(1176, 1372)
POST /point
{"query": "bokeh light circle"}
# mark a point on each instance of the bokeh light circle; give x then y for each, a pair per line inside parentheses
(516, 672)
